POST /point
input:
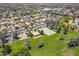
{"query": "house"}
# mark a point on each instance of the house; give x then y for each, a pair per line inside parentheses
(75, 22)
(36, 34)
(43, 19)
(27, 23)
(46, 9)
(22, 35)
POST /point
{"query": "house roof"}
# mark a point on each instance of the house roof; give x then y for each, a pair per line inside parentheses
(36, 33)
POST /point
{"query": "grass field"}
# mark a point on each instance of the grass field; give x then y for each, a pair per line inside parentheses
(53, 46)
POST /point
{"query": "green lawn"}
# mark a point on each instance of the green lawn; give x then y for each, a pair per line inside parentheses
(53, 46)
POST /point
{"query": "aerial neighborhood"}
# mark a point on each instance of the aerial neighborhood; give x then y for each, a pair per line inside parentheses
(39, 30)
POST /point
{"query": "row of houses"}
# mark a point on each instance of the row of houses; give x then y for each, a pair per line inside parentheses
(15, 20)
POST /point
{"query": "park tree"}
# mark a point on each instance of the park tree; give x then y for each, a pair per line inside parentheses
(30, 34)
(41, 44)
(7, 50)
(73, 42)
(59, 29)
(65, 30)
(73, 27)
(41, 32)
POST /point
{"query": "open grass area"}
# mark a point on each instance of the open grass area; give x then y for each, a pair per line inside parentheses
(53, 46)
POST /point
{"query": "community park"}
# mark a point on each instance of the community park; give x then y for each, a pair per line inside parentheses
(53, 45)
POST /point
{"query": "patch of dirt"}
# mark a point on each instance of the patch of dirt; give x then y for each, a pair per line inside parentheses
(68, 52)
